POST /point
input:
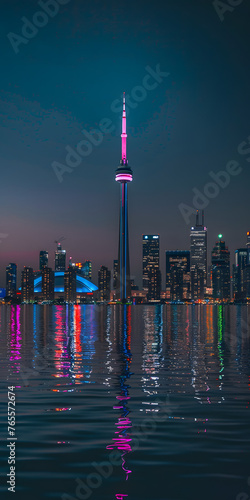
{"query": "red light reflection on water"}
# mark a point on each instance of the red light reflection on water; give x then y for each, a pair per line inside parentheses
(61, 354)
(77, 329)
(78, 345)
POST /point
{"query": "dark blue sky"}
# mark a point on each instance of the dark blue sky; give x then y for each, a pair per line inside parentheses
(66, 78)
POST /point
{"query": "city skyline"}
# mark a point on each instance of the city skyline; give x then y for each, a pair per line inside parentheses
(35, 262)
(186, 275)
(194, 121)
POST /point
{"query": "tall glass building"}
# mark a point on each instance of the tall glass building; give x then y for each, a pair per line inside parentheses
(11, 280)
(87, 269)
(47, 283)
(221, 271)
(151, 276)
(27, 284)
(198, 257)
(198, 245)
(60, 258)
(241, 262)
(43, 259)
(104, 282)
(178, 275)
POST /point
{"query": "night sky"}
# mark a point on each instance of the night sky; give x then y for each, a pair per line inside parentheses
(68, 77)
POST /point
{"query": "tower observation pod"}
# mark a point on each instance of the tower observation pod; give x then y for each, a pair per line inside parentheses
(124, 175)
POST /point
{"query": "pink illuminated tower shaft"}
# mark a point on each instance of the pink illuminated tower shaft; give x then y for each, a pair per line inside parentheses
(124, 134)
(124, 175)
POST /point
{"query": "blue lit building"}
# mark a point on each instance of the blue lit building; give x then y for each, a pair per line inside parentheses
(83, 286)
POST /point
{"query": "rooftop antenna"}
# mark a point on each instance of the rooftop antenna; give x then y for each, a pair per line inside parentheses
(59, 240)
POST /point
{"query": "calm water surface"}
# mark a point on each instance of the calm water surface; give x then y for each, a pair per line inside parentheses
(133, 402)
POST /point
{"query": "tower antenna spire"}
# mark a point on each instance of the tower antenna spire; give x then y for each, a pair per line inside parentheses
(124, 133)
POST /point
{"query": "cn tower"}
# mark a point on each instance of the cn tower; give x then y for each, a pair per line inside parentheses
(124, 175)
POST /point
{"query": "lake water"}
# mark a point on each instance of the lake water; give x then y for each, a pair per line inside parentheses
(127, 402)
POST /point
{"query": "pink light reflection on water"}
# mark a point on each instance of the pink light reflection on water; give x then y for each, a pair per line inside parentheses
(121, 442)
(16, 338)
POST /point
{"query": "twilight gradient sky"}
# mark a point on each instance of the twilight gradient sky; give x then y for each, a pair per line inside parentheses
(66, 78)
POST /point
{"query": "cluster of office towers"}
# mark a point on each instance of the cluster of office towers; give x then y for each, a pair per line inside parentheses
(29, 276)
(188, 277)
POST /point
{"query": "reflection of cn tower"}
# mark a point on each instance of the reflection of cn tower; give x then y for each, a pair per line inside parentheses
(124, 175)
(122, 439)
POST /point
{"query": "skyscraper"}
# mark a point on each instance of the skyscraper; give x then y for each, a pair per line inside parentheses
(197, 283)
(246, 272)
(27, 284)
(198, 257)
(47, 283)
(221, 271)
(60, 258)
(11, 280)
(104, 281)
(43, 259)
(70, 284)
(178, 274)
(154, 284)
(87, 269)
(247, 283)
(241, 262)
(124, 175)
(150, 257)
(248, 240)
(115, 270)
